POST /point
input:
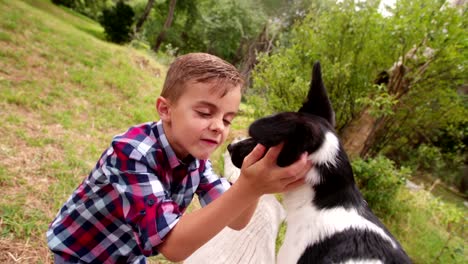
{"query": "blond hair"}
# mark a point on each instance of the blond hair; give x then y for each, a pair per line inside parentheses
(200, 67)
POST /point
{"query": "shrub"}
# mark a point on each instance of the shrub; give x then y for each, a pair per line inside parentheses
(67, 3)
(431, 160)
(117, 22)
(379, 181)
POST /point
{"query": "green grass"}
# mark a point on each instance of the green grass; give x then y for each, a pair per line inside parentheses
(431, 230)
(64, 93)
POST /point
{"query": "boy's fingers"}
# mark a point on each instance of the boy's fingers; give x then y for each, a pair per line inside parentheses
(306, 168)
(273, 153)
(255, 155)
(298, 168)
(298, 176)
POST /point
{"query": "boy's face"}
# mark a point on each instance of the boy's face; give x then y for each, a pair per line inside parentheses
(199, 121)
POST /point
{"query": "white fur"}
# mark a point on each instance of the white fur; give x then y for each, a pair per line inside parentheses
(308, 225)
(313, 177)
(327, 153)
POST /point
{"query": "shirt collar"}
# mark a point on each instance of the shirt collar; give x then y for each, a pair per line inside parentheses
(174, 162)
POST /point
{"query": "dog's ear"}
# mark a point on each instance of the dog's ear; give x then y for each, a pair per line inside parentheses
(272, 130)
(317, 102)
(296, 130)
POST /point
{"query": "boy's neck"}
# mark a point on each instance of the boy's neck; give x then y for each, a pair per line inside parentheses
(187, 160)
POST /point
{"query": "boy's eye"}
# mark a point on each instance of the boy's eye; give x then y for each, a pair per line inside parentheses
(203, 114)
(227, 122)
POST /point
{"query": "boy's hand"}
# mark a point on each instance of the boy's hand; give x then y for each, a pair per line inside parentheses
(263, 175)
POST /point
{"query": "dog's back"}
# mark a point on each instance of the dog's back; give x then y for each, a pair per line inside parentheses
(328, 220)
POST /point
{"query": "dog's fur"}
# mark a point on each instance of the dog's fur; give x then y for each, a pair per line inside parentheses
(328, 221)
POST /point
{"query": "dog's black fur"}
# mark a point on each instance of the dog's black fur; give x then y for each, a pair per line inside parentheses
(331, 186)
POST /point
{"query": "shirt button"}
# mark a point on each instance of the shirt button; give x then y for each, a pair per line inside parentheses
(150, 202)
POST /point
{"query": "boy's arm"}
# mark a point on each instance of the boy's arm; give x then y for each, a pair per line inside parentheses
(244, 218)
(236, 206)
(196, 228)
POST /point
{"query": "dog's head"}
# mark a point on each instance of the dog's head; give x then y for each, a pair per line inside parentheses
(305, 130)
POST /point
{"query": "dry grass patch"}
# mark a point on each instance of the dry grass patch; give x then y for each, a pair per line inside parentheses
(14, 252)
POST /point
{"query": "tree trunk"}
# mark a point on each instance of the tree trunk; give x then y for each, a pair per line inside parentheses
(166, 26)
(263, 43)
(360, 135)
(356, 133)
(144, 16)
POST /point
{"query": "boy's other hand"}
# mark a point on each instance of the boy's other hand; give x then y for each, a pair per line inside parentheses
(263, 175)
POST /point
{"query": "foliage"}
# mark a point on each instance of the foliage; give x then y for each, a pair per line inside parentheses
(355, 43)
(430, 134)
(67, 3)
(117, 22)
(431, 160)
(379, 181)
(346, 37)
(217, 27)
(78, 92)
(379, 102)
(89, 8)
(227, 25)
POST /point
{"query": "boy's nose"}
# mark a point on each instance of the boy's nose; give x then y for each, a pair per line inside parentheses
(217, 125)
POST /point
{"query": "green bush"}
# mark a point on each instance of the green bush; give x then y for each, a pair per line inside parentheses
(90, 8)
(117, 22)
(379, 181)
(67, 3)
(431, 160)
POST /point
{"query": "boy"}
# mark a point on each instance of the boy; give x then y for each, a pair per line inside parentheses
(132, 204)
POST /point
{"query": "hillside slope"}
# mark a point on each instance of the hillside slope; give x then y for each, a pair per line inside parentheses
(64, 92)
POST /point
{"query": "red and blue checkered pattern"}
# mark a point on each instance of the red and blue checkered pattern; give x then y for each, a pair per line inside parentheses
(131, 200)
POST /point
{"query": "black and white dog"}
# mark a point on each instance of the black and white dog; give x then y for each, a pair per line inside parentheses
(328, 220)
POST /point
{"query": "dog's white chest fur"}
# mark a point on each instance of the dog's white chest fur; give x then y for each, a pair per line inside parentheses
(298, 220)
(308, 225)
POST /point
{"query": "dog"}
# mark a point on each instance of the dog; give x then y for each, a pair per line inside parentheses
(328, 220)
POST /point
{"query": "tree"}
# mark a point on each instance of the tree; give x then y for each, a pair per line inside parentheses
(117, 22)
(170, 16)
(89, 8)
(429, 42)
(420, 47)
(144, 16)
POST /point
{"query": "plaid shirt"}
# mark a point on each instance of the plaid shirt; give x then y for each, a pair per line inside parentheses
(131, 200)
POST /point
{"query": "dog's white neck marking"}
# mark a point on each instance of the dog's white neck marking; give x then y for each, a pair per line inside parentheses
(327, 153)
(307, 225)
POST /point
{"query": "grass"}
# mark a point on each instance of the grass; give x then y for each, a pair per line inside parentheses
(430, 230)
(64, 93)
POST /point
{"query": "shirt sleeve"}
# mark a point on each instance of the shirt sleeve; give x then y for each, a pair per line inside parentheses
(211, 185)
(146, 205)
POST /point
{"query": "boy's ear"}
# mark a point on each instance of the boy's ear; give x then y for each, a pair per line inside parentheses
(163, 108)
